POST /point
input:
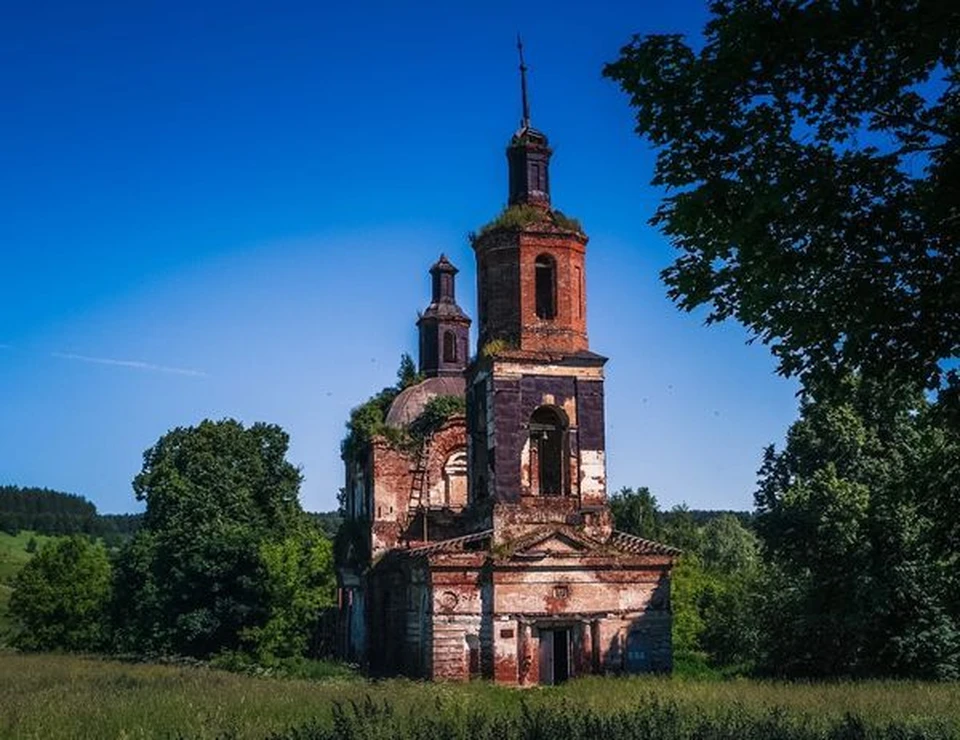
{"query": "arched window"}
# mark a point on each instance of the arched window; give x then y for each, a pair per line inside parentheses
(449, 346)
(545, 269)
(455, 480)
(548, 438)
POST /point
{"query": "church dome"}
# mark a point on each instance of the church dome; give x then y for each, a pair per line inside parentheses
(410, 403)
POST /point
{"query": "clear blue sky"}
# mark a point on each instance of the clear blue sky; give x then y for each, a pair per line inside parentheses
(228, 210)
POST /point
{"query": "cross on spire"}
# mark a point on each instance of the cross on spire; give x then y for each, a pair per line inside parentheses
(525, 121)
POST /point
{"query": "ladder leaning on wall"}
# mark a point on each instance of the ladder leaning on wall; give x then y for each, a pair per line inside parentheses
(419, 484)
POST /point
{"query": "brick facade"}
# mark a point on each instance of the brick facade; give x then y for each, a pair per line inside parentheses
(489, 551)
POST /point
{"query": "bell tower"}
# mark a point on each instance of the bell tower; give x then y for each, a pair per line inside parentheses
(535, 392)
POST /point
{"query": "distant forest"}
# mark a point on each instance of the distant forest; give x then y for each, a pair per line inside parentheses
(50, 512)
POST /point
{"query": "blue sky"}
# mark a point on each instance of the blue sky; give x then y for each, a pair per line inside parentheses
(214, 210)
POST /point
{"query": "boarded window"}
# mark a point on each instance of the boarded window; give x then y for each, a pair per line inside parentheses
(455, 480)
(449, 346)
(473, 655)
(545, 269)
(578, 282)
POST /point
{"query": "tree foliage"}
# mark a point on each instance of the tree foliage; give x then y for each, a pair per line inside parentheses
(297, 584)
(46, 512)
(811, 153)
(637, 512)
(714, 586)
(197, 577)
(858, 515)
(407, 373)
(60, 597)
(369, 418)
(435, 414)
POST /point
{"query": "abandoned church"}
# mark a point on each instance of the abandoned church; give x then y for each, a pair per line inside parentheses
(478, 539)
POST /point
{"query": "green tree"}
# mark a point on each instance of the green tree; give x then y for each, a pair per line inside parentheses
(636, 512)
(60, 597)
(191, 580)
(298, 583)
(407, 373)
(714, 584)
(688, 583)
(680, 529)
(729, 548)
(862, 574)
(811, 151)
(730, 554)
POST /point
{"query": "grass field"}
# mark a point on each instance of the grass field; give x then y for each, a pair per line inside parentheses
(13, 556)
(47, 696)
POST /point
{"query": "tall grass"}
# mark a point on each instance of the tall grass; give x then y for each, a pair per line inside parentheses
(645, 721)
(48, 696)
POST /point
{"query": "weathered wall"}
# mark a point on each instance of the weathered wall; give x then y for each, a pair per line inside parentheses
(456, 615)
(506, 290)
(395, 482)
(502, 398)
(498, 289)
(606, 609)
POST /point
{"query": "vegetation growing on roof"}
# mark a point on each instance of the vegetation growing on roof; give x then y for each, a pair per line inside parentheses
(369, 418)
(435, 414)
(519, 217)
(495, 347)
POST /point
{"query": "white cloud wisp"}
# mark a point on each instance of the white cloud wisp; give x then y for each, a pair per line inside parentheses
(135, 364)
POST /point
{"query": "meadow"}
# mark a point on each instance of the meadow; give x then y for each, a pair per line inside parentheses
(52, 696)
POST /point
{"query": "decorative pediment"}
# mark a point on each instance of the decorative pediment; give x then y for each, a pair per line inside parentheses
(554, 541)
(558, 542)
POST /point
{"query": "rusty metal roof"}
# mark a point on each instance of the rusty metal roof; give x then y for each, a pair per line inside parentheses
(454, 544)
(410, 403)
(640, 546)
(618, 540)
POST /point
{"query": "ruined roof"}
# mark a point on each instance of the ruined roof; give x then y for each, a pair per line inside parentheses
(621, 541)
(640, 546)
(410, 403)
(452, 545)
(446, 310)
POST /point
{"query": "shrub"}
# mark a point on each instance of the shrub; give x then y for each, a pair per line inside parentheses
(60, 597)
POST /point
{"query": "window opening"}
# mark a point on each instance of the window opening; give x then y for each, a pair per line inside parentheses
(548, 433)
(578, 281)
(545, 269)
(449, 347)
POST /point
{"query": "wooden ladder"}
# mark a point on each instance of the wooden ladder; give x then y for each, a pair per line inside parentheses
(419, 482)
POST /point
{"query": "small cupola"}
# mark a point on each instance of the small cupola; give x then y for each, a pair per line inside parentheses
(444, 327)
(444, 280)
(528, 154)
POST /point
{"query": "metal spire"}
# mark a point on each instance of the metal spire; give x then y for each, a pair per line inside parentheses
(525, 121)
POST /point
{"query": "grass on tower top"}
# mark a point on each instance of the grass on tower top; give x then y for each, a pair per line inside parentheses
(519, 217)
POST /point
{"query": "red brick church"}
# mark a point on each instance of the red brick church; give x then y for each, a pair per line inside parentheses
(488, 549)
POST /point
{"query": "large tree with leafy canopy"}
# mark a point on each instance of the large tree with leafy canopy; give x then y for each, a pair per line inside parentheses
(859, 517)
(810, 150)
(223, 537)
